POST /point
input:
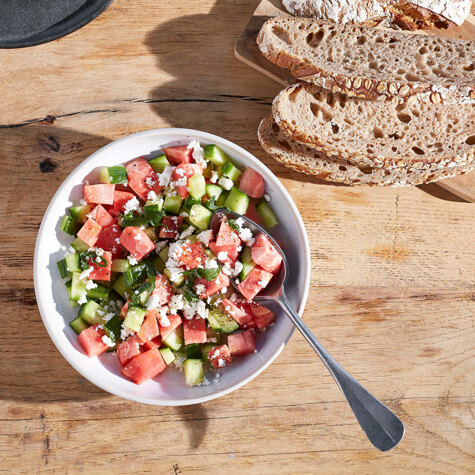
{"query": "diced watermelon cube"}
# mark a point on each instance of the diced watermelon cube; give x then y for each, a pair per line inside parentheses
(101, 216)
(109, 240)
(91, 340)
(129, 349)
(252, 213)
(154, 343)
(144, 366)
(262, 316)
(192, 255)
(252, 183)
(240, 312)
(99, 194)
(149, 329)
(89, 233)
(175, 322)
(241, 343)
(136, 241)
(214, 286)
(254, 282)
(194, 331)
(231, 256)
(120, 199)
(98, 272)
(178, 155)
(265, 254)
(227, 236)
(163, 291)
(142, 178)
(170, 227)
(220, 356)
(182, 174)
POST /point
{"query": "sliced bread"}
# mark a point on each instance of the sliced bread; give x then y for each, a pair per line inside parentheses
(372, 63)
(374, 133)
(407, 14)
(312, 162)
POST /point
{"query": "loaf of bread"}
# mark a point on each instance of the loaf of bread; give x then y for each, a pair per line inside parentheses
(313, 162)
(406, 14)
(374, 133)
(373, 63)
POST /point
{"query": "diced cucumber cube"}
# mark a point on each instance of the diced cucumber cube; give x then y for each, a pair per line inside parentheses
(73, 262)
(113, 327)
(78, 286)
(79, 246)
(194, 372)
(221, 322)
(237, 201)
(215, 155)
(116, 174)
(179, 281)
(69, 225)
(197, 185)
(63, 269)
(159, 163)
(151, 232)
(164, 253)
(98, 293)
(159, 264)
(268, 217)
(120, 287)
(213, 191)
(134, 318)
(247, 263)
(78, 325)
(80, 212)
(143, 297)
(229, 170)
(68, 290)
(200, 217)
(120, 265)
(172, 204)
(193, 351)
(92, 313)
(173, 341)
(167, 355)
(222, 198)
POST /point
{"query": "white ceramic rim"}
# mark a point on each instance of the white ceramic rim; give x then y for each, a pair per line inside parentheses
(83, 167)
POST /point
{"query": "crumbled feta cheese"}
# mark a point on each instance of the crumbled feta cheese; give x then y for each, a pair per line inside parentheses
(179, 360)
(85, 273)
(192, 309)
(138, 237)
(226, 183)
(108, 316)
(262, 283)
(99, 251)
(164, 177)
(211, 264)
(132, 205)
(205, 237)
(163, 317)
(224, 290)
(222, 256)
(176, 303)
(214, 176)
(180, 172)
(152, 196)
(198, 153)
(82, 202)
(117, 240)
(187, 232)
(221, 363)
(132, 260)
(200, 288)
(160, 245)
(255, 351)
(237, 268)
(125, 332)
(108, 341)
(184, 214)
(82, 298)
(152, 301)
(267, 197)
(149, 181)
(90, 285)
(98, 259)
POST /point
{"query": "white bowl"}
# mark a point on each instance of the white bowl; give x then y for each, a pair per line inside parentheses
(169, 388)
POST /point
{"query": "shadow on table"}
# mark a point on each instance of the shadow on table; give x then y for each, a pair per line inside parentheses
(35, 160)
(199, 101)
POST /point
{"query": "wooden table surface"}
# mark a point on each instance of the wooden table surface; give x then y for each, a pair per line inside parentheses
(393, 273)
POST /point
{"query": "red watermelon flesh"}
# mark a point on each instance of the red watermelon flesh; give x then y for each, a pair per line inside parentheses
(91, 340)
(241, 343)
(144, 366)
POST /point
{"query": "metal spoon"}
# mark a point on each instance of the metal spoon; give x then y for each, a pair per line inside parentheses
(382, 427)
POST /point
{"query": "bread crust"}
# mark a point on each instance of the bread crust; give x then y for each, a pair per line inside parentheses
(388, 88)
(303, 159)
(286, 118)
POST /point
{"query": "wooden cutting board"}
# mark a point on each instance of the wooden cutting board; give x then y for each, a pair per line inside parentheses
(246, 50)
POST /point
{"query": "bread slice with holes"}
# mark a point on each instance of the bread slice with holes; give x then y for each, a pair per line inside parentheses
(373, 63)
(377, 134)
(406, 14)
(312, 162)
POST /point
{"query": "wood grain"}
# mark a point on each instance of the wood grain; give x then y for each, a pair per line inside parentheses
(247, 51)
(393, 273)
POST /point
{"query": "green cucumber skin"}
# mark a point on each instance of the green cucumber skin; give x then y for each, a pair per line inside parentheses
(159, 163)
(172, 204)
(215, 155)
(69, 225)
(200, 217)
(79, 246)
(118, 175)
(230, 171)
(98, 293)
(63, 269)
(214, 191)
(113, 327)
(193, 351)
(78, 325)
(194, 371)
(167, 355)
(221, 322)
(237, 201)
(89, 313)
(134, 318)
(173, 341)
(267, 215)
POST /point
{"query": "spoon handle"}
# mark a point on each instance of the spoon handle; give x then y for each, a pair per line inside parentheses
(382, 427)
